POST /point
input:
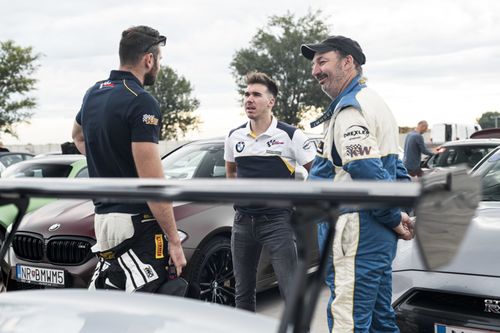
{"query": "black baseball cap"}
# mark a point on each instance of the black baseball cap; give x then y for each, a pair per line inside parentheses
(334, 43)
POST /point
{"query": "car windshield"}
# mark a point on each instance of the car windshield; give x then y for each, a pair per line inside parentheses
(489, 171)
(454, 155)
(40, 170)
(10, 159)
(195, 160)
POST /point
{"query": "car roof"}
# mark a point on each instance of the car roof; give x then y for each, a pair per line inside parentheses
(472, 142)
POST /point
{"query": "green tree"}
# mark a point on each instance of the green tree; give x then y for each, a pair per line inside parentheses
(489, 119)
(177, 106)
(275, 50)
(17, 64)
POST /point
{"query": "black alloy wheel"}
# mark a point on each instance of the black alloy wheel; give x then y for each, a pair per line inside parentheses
(211, 277)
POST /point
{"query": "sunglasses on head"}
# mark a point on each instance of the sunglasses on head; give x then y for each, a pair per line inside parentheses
(161, 41)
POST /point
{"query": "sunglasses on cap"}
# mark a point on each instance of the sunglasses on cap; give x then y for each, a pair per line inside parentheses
(160, 41)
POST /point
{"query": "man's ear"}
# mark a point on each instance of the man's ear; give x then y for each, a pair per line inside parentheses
(349, 61)
(148, 60)
(272, 101)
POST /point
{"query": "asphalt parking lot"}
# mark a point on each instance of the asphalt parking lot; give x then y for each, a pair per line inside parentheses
(269, 303)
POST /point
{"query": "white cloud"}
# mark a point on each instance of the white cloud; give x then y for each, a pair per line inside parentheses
(437, 60)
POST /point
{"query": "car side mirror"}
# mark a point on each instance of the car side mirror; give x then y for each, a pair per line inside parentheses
(447, 205)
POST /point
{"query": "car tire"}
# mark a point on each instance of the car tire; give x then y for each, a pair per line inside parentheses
(210, 273)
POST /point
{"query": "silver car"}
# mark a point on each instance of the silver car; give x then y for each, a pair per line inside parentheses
(464, 295)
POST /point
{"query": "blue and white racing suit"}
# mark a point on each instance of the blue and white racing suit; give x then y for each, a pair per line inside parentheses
(360, 143)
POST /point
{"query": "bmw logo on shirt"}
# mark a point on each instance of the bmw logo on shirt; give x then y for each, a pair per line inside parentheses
(240, 146)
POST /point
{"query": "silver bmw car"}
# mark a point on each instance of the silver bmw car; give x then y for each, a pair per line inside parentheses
(464, 295)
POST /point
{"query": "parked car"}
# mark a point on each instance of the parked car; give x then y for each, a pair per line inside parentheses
(486, 133)
(56, 239)
(453, 153)
(464, 295)
(78, 311)
(9, 158)
(70, 166)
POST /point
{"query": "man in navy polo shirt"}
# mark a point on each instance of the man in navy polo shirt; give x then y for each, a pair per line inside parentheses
(118, 129)
(263, 148)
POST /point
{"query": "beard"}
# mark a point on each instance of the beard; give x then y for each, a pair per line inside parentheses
(336, 78)
(150, 77)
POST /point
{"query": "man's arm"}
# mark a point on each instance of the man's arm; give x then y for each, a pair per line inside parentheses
(148, 165)
(421, 146)
(78, 137)
(230, 169)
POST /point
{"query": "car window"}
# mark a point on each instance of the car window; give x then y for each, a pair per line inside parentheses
(194, 160)
(39, 170)
(461, 155)
(8, 160)
(491, 183)
(84, 173)
(212, 165)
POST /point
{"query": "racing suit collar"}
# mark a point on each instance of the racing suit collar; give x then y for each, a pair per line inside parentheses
(329, 112)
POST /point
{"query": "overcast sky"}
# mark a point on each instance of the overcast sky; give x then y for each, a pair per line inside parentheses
(433, 60)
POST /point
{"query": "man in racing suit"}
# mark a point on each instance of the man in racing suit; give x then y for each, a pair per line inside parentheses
(360, 143)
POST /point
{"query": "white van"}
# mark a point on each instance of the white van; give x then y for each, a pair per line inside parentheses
(441, 133)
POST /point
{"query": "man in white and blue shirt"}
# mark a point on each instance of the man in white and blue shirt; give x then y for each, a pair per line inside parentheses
(263, 148)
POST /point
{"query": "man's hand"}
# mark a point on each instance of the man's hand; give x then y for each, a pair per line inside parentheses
(177, 256)
(405, 228)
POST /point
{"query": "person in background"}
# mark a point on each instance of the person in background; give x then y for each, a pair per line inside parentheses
(118, 129)
(414, 148)
(3, 148)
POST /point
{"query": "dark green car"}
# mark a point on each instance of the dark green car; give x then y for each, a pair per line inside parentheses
(53, 166)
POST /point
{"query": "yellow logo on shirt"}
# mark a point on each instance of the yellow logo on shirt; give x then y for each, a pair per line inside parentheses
(149, 119)
(159, 246)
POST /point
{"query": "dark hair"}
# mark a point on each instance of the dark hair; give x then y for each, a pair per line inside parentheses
(357, 66)
(134, 44)
(262, 78)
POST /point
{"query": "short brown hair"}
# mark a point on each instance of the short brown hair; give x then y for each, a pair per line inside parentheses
(133, 42)
(262, 78)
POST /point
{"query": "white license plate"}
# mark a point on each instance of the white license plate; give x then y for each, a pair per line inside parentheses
(39, 275)
(440, 328)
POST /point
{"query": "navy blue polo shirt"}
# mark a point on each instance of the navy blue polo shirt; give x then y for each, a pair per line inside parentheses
(115, 113)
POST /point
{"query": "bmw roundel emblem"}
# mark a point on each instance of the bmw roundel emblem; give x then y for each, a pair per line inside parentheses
(54, 227)
(240, 146)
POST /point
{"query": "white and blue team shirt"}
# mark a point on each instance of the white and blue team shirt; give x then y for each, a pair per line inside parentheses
(273, 154)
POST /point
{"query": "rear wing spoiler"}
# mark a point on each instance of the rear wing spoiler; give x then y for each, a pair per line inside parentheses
(453, 192)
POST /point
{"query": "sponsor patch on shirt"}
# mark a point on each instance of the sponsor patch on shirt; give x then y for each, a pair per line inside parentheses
(107, 84)
(274, 142)
(356, 132)
(273, 152)
(240, 146)
(149, 119)
(357, 150)
(159, 246)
